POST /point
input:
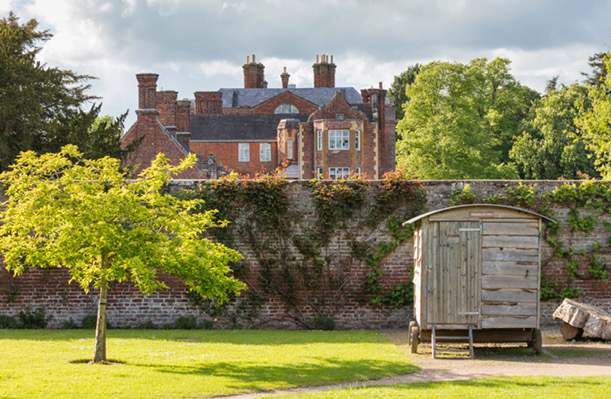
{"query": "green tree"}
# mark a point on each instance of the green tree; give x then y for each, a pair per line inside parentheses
(550, 146)
(96, 136)
(66, 211)
(595, 123)
(461, 120)
(599, 69)
(40, 106)
(399, 86)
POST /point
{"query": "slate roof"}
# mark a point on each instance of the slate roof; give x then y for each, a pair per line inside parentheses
(234, 98)
(234, 128)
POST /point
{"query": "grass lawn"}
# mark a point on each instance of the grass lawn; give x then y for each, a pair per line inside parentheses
(188, 363)
(508, 387)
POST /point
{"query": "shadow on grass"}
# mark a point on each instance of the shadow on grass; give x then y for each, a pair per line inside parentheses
(251, 376)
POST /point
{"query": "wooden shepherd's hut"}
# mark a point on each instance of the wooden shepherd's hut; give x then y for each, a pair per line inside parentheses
(476, 276)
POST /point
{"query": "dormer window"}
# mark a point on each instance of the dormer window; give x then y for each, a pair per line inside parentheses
(286, 109)
(339, 117)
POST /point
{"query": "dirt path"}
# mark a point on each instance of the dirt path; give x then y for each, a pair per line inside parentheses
(563, 360)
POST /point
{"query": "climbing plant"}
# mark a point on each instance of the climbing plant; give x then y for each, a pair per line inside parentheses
(591, 196)
(310, 260)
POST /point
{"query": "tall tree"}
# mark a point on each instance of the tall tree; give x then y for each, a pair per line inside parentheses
(96, 136)
(399, 86)
(66, 211)
(461, 120)
(551, 146)
(595, 123)
(38, 104)
(599, 70)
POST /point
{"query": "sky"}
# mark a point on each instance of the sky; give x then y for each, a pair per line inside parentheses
(201, 45)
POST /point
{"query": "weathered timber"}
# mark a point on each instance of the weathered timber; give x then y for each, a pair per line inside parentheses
(526, 309)
(510, 268)
(509, 322)
(509, 295)
(594, 321)
(477, 268)
(492, 282)
(511, 229)
(525, 242)
(516, 255)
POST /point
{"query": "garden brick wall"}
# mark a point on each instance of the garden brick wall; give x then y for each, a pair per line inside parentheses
(126, 306)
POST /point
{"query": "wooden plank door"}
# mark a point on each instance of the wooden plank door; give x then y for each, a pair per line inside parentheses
(454, 269)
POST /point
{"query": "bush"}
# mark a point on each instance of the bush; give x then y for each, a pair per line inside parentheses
(148, 325)
(34, 319)
(89, 322)
(322, 323)
(69, 324)
(186, 323)
(206, 324)
(7, 322)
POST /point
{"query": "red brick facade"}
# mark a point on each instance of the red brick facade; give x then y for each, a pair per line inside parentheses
(218, 122)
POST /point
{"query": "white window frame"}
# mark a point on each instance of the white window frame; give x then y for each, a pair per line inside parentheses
(358, 172)
(289, 149)
(286, 109)
(319, 174)
(319, 140)
(339, 173)
(339, 140)
(265, 152)
(357, 140)
(244, 152)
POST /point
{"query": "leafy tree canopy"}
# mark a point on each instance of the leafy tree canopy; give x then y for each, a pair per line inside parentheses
(399, 86)
(551, 146)
(67, 211)
(41, 106)
(595, 122)
(461, 120)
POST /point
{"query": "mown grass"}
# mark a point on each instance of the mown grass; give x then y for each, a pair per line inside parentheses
(486, 388)
(189, 363)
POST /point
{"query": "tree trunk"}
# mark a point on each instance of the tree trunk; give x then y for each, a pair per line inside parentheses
(99, 355)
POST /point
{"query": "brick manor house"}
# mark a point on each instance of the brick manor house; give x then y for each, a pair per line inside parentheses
(326, 130)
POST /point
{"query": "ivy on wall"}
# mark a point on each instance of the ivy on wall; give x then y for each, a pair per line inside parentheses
(298, 257)
(589, 195)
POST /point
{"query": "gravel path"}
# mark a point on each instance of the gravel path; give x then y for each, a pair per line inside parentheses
(582, 359)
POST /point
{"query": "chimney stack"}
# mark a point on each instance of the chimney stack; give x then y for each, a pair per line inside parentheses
(285, 79)
(324, 71)
(166, 104)
(183, 115)
(208, 102)
(147, 90)
(254, 74)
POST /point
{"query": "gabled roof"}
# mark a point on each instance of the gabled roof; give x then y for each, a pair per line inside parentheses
(234, 98)
(235, 128)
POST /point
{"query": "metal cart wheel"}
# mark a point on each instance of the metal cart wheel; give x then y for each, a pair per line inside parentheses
(537, 341)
